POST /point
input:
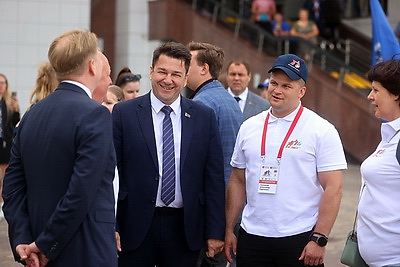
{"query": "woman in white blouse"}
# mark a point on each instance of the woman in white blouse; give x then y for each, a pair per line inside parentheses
(379, 207)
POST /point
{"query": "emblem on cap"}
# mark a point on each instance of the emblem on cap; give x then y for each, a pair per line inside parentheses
(295, 64)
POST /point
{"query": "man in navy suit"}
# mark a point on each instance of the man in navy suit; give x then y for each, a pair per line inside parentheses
(58, 194)
(238, 78)
(155, 231)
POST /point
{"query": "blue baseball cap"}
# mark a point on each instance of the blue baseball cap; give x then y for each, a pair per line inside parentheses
(265, 83)
(292, 65)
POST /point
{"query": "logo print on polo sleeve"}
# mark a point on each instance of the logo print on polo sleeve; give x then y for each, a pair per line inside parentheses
(295, 64)
(294, 144)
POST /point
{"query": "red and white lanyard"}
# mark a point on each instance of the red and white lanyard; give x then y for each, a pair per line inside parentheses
(291, 128)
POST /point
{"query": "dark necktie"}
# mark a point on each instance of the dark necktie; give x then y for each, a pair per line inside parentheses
(168, 167)
(237, 98)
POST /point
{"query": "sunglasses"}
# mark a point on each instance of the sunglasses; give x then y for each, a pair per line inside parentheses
(134, 78)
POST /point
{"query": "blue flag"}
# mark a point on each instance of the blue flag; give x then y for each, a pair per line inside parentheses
(384, 43)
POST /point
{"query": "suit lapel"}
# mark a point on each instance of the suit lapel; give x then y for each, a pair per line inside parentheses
(248, 105)
(146, 124)
(188, 118)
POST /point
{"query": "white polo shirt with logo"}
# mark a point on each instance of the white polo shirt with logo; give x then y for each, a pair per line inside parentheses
(313, 146)
(378, 227)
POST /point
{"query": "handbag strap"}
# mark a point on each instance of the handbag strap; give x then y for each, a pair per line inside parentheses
(355, 221)
(355, 217)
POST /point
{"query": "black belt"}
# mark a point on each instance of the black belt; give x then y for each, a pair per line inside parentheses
(168, 211)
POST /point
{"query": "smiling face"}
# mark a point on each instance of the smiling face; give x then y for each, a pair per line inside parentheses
(386, 104)
(168, 77)
(284, 94)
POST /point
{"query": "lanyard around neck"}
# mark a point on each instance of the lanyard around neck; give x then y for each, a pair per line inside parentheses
(291, 128)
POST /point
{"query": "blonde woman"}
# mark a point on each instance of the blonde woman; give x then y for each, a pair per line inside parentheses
(114, 96)
(46, 83)
(9, 117)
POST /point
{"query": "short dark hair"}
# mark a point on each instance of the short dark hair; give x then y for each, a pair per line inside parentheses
(209, 54)
(174, 50)
(388, 74)
(240, 62)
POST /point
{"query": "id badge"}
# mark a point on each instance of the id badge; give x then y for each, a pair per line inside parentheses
(268, 182)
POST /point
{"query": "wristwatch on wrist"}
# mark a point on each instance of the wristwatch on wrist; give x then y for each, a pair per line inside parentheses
(319, 238)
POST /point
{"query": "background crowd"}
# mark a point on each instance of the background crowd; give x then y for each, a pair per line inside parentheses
(190, 153)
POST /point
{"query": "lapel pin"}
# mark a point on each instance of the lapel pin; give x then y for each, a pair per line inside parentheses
(187, 115)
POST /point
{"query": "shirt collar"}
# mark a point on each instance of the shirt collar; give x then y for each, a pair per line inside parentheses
(80, 85)
(289, 117)
(243, 96)
(198, 88)
(157, 105)
(390, 129)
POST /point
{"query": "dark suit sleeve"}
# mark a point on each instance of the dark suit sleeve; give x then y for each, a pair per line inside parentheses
(93, 150)
(15, 204)
(117, 136)
(214, 187)
(15, 118)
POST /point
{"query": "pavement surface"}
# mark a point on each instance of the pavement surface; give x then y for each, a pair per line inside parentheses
(343, 224)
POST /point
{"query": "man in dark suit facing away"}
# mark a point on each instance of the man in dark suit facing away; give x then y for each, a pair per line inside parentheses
(58, 194)
(170, 162)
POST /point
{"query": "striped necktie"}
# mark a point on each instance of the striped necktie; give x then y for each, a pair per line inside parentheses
(168, 167)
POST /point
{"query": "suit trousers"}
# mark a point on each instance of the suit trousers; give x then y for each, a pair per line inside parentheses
(164, 245)
(259, 251)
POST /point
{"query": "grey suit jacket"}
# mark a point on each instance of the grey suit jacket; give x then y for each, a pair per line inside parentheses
(254, 105)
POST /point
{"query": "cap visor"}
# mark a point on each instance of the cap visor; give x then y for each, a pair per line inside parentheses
(292, 75)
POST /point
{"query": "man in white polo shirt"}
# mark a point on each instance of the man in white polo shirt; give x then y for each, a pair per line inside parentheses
(287, 174)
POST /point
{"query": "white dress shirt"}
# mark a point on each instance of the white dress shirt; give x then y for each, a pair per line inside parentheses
(242, 96)
(82, 86)
(158, 117)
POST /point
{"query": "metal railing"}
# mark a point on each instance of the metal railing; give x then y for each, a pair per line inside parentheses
(346, 56)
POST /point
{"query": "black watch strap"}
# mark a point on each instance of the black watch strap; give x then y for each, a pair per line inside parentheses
(320, 239)
(317, 233)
